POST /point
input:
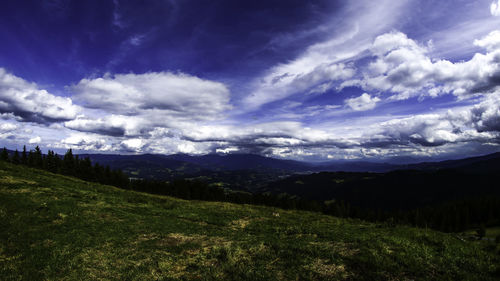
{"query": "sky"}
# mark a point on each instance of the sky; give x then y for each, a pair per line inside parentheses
(308, 80)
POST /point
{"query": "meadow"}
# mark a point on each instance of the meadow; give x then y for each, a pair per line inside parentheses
(54, 227)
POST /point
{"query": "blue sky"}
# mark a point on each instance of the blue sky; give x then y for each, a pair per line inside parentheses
(309, 80)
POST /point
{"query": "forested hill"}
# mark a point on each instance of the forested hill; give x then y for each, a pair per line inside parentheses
(55, 227)
(447, 199)
(213, 162)
(147, 164)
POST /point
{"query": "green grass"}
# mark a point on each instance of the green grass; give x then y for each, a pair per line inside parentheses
(59, 228)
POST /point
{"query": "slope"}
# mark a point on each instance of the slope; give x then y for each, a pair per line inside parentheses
(480, 164)
(57, 227)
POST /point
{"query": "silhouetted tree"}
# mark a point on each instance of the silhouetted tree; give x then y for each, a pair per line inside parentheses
(5, 155)
(51, 162)
(37, 157)
(31, 158)
(16, 159)
(24, 156)
(69, 163)
(86, 170)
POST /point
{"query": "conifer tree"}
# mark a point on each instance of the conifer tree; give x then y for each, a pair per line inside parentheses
(69, 162)
(16, 159)
(50, 162)
(37, 157)
(57, 163)
(86, 169)
(99, 172)
(24, 157)
(31, 158)
(5, 155)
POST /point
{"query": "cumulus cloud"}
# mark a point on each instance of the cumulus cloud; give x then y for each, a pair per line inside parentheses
(35, 140)
(82, 141)
(7, 130)
(403, 67)
(134, 145)
(175, 95)
(362, 103)
(477, 123)
(7, 127)
(392, 41)
(486, 115)
(426, 130)
(135, 105)
(491, 42)
(495, 8)
(112, 125)
(29, 103)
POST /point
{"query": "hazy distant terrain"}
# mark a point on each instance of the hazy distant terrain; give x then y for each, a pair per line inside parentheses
(252, 172)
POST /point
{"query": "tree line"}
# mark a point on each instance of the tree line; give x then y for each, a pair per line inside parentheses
(449, 216)
(67, 164)
(453, 216)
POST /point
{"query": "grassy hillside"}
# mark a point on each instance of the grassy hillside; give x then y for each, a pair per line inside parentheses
(56, 227)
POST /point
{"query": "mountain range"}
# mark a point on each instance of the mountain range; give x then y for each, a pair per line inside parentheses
(232, 162)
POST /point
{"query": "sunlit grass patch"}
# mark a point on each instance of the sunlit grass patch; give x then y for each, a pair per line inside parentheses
(240, 223)
(327, 269)
(10, 180)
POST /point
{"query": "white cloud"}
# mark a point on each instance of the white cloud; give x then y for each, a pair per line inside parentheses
(477, 123)
(491, 42)
(393, 41)
(175, 95)
(7, 127)
(142, 105)
(187, 148)
(426, 129)
(134, 105)
(134, 145)
(362, 103)
(112, 125)
(486, 115)
(82, 141)
(226, 150)
(35, 140)
(403, 67)
(7, 130)
(286, 80)
(495, 8)
(29, 103)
